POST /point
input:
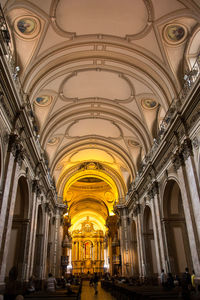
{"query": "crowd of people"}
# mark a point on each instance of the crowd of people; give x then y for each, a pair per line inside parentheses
(52, 284)
(185, 283)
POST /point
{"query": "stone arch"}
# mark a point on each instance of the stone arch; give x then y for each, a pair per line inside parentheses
(179, 255)
(16, 253)
(193, 48)
(148, 234)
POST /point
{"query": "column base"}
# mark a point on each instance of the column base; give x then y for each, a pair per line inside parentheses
(2, 287)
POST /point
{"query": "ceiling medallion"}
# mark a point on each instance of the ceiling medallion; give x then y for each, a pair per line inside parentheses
(53, 141)
(174, 33)
(149, 103)
(43, 100)
(27, 26)
(109, 196)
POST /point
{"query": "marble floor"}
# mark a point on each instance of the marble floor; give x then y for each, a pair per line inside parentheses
(88, 293)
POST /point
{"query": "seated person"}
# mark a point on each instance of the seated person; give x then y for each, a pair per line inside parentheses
(51, 283)
(31, 285)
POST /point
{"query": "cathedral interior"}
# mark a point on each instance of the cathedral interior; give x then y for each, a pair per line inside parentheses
(99, 137)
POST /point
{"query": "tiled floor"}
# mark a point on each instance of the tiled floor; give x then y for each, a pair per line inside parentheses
(88, 293)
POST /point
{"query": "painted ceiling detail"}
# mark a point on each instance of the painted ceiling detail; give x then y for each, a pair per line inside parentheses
(100, 76)
(175, 33)
(43, 100)
(53, 141)
(149, 103)
(27, 26)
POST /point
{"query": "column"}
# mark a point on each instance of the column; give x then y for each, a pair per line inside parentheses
(80, 250)
(14, 162)
(179, 166)
(160, 232)
(45, 242)
(99, 250)
(96, 250)
(77, 255)
(141, 254)
(155, 234)
(124, 241)
(74, 250)
(32, 231)
(193, 181)
(130, 241)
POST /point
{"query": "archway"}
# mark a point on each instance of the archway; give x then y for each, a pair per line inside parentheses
(90, 198)
(16, 253)
(176, 230)
(151, 264)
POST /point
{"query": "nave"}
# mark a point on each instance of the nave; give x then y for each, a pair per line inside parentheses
(87, 292)
(99, 141)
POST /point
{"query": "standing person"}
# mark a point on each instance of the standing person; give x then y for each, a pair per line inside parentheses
(95, 282)
(31, 285)
(51, 283)
(192, 279)
(163, 278)
(186, 284)
(170, 281)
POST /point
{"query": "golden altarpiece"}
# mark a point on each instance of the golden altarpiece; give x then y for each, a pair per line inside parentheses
(88, 249)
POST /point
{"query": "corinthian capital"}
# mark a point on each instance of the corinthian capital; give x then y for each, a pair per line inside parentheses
(16, 148)
(155, 189)
(177, 160)
(186, 148)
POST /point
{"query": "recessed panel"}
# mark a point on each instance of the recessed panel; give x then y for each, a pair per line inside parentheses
(97, 84)
(113, 17)
(94, 127)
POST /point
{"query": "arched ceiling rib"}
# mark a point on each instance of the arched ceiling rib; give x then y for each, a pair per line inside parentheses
(99, 83)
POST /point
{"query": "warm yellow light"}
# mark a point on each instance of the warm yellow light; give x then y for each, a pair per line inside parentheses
(94, 217)
(92, 154)
(111, 213)
(91, 173)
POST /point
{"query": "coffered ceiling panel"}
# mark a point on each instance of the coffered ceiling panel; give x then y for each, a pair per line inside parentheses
(98, 83)
(103, 17)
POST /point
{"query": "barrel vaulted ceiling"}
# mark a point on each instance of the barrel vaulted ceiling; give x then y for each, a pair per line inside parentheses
(100, 76)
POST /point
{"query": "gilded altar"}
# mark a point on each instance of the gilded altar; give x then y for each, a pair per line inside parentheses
(87, 249)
